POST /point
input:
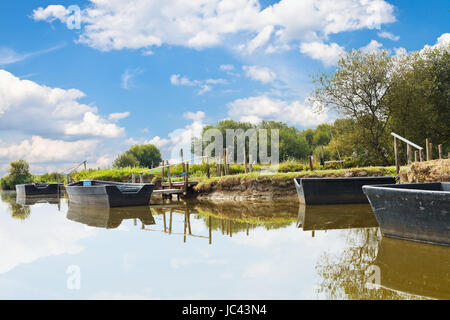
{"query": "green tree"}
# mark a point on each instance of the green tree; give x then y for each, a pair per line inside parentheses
(126, 160)
(19, 172)
(359, 89)
(146, 155)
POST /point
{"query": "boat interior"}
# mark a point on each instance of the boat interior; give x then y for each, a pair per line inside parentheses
(123, 187)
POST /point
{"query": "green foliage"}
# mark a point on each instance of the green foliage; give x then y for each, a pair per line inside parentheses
(146, 155)
(19, 173)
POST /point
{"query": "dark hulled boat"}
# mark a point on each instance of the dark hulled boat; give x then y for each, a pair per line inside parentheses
(418, 212)
(109, 194)
(336, 190)
(38, 189)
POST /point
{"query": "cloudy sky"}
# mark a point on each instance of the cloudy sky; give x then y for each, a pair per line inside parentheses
(89, 83)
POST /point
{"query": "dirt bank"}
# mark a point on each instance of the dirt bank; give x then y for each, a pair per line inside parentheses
(265, 187)
(428, 171)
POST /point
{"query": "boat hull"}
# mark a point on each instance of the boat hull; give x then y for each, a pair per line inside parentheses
(109, 195)
(418, 212)
(39, 189)
(336, 190)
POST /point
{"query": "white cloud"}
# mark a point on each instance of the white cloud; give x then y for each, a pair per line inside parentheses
(9, 56)
(112, 25)
(263, 74)
(118, 116)
(373, 47)
(158, 141)
(127, 76)
(255, 109)
(41, 150)
(204, 85)
(329, 54)
(226, 67)
(442, 42)
(388, 35)
(49, 111)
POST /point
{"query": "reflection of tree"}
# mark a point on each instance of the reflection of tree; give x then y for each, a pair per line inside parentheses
(18, 211)
(345, 276)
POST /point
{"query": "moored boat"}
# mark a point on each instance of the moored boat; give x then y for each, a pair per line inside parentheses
(38, 189)
(336, 190)
(109, 194)
(418, 211)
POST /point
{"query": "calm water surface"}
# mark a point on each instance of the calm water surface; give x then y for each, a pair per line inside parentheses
(202, 250)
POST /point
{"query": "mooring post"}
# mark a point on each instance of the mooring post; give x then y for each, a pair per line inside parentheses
(245, 160)
(207, 167)
(169, 176)
(408, 153)
(186, 179)
(133, 177)
(421, 155)
(162, 172)
(416, 156)
(440, 151)
(225, 161)
(250, 166)
(397, 165)
(311, 166)
(431, 151)
(427, 147)
(141, 178)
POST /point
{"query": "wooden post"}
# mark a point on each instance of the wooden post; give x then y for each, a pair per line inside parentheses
(416, 156)
(421, 155)
(164, 220)
(311, 166)
(427, 146)
(431, 151)
(440, 151)
(84, 165)
(245, 160)
(141, 178)
(162, 172)
(250, 166)
(186, 178)
(225, 161)
(185, 225)
(169, 175)
(170, 221)
(207, 168)
(408, 153)
(397, 164)
(133, 177)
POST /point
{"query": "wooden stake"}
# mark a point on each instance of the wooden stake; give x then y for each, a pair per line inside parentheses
(431, 151)
(207, 168)
(245, 160)
(440, 151)
(169, 175)
(416, 156)
(421, 155)
(225, 161)
(397, 164)
(427, 146)
(311, 166)
(133, 177)
(408, 153)
(141, 178)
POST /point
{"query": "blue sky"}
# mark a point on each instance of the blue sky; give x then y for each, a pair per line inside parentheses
(157, 71)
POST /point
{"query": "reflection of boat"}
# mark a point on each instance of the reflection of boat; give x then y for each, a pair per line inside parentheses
(335, 217)
(30, 200)
(414, 268)
(109, 194)
(336, 190)
(34, 189)
(108, 218)
(419, 211)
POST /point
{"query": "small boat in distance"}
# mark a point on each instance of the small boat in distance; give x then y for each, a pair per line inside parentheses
(38, 189)
(336, 190)
(109, 194)
(417, 211)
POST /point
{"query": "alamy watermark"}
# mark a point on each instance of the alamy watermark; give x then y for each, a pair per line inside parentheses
(73, 17)
(73, 281)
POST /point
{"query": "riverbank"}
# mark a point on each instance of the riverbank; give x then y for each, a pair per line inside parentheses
(256, 186)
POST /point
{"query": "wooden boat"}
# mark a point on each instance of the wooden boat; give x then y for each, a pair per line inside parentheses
(341, 216)
(418, 212)
(109, 194)
(108, 218)
(336, 190)
(37, 189)
(415, 268)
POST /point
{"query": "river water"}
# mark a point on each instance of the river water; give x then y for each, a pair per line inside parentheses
(205, 250)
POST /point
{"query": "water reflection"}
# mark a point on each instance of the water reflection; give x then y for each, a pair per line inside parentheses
(239, 250)
(109, 218)
(327, 217)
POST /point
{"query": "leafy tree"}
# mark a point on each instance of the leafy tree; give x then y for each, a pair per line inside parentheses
(19, 172)
(126, 160)
(359, 89)
(146, 155)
